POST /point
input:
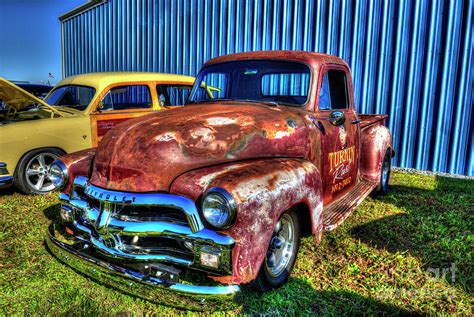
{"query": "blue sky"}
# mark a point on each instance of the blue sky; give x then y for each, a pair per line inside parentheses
(30, 37)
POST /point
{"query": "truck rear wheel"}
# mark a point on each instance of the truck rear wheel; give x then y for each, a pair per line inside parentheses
(382, 188)
(281, 253)
(32, 172)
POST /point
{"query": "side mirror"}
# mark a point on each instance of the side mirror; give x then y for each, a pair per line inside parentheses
(337, 118)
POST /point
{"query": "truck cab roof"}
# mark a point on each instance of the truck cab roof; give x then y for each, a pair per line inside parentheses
(312, 59)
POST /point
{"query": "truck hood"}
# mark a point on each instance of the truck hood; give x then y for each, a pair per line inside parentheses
(146, 154)
(17, 98)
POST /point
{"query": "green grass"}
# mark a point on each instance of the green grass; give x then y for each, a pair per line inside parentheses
(382, 260)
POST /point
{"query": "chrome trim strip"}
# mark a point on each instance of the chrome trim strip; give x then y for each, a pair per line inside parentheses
(186, 296)
(184, 204)
(6, 181)
(80, 181)
(152, 228)
(64, 198)
(117, 254)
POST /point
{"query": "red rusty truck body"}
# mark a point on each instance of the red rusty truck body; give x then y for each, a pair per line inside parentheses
(225, 186)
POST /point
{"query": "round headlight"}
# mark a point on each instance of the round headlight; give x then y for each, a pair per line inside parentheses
(58, 174)
(218, 208)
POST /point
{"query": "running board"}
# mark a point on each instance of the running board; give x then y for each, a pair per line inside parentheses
(339, 210)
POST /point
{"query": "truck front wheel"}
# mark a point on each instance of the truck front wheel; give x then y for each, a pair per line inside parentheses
(281, 253)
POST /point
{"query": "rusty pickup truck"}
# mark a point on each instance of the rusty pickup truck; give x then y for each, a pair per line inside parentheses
(220, 191)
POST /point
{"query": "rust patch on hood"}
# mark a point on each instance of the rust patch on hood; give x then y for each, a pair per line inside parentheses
(148, 153)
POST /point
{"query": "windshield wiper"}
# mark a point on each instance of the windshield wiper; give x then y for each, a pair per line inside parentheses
(193, 102)
(267, 102)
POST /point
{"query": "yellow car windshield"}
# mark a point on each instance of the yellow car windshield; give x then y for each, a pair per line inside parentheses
(73, 96)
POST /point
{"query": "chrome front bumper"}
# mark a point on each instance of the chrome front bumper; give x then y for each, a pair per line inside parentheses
(98, 241)
(164, 292)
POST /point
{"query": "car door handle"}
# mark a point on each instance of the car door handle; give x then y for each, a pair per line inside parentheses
(356, 121)
(335, 118)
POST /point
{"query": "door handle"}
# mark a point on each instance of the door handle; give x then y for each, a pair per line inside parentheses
(335, 118)
(317, 124)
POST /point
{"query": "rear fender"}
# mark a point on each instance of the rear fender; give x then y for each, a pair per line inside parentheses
(262, 190)
(375, 140)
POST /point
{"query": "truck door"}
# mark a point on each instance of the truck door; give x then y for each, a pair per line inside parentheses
(120, 103)
(339, 126)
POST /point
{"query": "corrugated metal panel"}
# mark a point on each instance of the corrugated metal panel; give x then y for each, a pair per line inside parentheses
(410, 59)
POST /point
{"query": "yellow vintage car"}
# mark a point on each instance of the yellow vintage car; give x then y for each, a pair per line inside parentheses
(74, 116)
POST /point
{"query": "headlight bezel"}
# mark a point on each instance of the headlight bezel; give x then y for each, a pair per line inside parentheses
(64, 174)
(230, 204)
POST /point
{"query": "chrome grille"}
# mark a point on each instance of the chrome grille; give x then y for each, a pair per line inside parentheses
(144, 227)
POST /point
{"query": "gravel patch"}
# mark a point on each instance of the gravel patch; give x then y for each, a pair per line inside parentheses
(430, 173)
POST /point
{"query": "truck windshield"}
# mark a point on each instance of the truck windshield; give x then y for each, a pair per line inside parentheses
(72, 96)
(267, 81)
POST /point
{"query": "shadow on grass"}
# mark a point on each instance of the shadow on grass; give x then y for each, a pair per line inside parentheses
(298, 297)
(437, 227)
(7, 191)
(52, 212)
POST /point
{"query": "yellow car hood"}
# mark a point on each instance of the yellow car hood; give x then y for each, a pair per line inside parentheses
(17, 98)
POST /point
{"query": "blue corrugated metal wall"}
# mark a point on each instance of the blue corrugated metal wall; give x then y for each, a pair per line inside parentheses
(409, 59)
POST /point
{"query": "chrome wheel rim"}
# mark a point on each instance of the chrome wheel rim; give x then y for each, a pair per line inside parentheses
(281, 246)
(37, 172)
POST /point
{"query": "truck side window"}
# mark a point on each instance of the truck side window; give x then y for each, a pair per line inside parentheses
(333, 93)
(126, 97)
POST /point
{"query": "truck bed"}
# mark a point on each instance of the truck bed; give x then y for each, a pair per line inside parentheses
(369, 119)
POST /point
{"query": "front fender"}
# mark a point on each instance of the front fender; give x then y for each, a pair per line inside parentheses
(78, 164)
(263, 190)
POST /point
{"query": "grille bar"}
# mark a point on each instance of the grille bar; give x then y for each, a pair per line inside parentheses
(181, 203)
